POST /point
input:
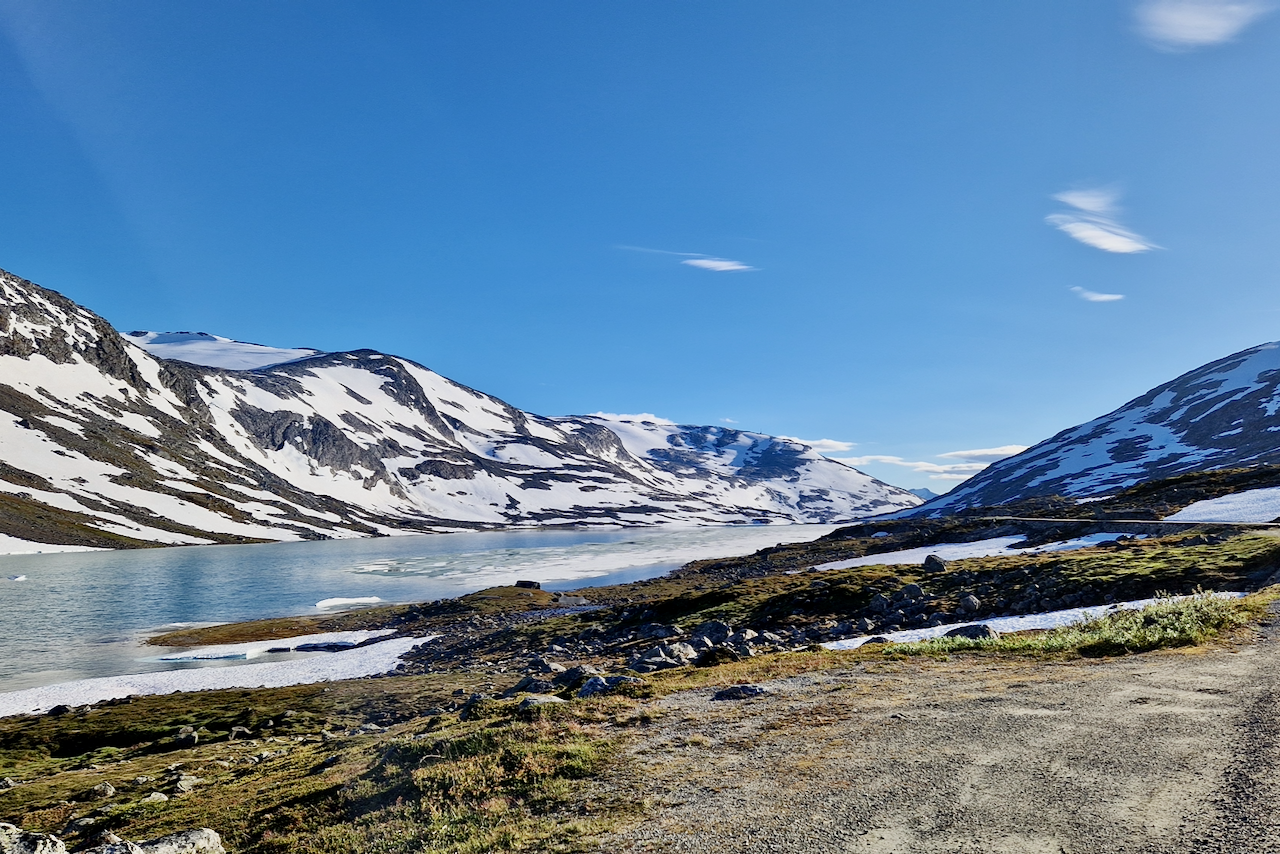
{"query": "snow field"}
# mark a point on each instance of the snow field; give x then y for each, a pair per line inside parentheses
(1252, 505)
(326, 667)
(253, 649)
(1004, 625)
(959, 551)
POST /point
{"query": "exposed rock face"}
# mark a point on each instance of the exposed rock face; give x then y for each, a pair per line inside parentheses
(14, 840)
(102, 444)
(1225, 414)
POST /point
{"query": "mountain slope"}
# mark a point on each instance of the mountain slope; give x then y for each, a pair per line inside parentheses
(1225, 414)
(214, 351)
(103, 444)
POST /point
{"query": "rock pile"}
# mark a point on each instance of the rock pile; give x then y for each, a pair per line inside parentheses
(15, 840)
(711, 640)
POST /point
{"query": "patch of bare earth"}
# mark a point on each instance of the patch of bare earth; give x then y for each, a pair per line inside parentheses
(1164, 752)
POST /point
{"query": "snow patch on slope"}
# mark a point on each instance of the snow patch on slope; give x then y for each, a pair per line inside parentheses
(214, 351)
(1252, 505)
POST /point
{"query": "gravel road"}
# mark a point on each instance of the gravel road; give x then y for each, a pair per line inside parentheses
(1164, 752)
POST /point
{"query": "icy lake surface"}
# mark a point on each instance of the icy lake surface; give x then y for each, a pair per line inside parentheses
(80, 615)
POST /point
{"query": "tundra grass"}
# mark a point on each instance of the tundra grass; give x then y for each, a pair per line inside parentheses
(1168, 623)
(500, 780)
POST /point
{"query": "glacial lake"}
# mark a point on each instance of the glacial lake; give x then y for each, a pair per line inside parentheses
(85, 614)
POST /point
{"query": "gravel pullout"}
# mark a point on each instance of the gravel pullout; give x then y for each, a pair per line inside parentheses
(1159, 753)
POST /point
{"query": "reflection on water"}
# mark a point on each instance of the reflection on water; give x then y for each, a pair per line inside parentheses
(82, 614)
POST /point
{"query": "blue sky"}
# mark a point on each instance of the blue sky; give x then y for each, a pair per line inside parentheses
(888, 225)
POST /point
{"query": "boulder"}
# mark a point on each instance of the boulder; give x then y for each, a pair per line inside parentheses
(534, 700)
(544, 665)
(879, 603)
(666, 656)
(202, 841)
(8, 783)
(658, 631)
(15, 840)
(575, 676)
(102, 791)
(974, 632)
(933, 563)
(604, 684)
(739, 692)
(185, 740)
(530, 685)
(877, 639)
(910, 592)
(969, 604)
(187, 782)
(714, 631)
(155, 798)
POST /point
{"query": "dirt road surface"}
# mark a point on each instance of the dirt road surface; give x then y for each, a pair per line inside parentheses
(1164, 752)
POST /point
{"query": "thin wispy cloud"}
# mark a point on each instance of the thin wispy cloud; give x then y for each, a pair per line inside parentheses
(699, 260)
(718, 265)
(1093, 221)
(1184, 25)
(823, 446)
(985, 455)
(729, 420)
(974, 461)
(1094, 296)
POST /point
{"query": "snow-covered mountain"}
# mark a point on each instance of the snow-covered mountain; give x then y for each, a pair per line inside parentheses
(214, 351)
(1225, 414)
(102, 443)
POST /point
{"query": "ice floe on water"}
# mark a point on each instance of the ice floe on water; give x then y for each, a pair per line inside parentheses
(1003, 625)
(1252, 505)
(346, 602)
(959, 551)
(253, 649)
(15, 546)
(351, 664)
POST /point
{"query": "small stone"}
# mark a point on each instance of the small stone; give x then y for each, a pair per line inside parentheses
(186, 740)
(969, 604)
(102, 791)
(877, 639)
(739, 692)
(237, 731)
(186, 783)
(155, 798)
(8, 783)
(933, 563)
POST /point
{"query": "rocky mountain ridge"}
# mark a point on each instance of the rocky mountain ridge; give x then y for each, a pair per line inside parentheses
(105, 445)
(1223, 415)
